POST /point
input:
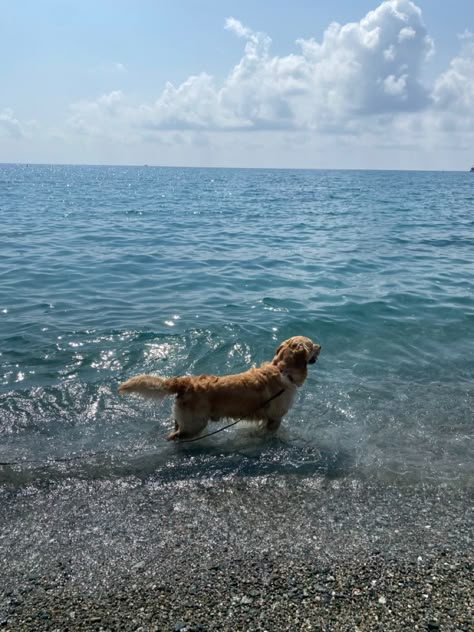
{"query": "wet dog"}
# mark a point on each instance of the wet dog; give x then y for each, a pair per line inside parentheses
(263, 394)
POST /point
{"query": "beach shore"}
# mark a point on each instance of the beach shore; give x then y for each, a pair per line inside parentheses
(262, 553)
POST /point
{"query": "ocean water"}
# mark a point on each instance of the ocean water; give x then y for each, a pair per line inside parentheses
(107, 272)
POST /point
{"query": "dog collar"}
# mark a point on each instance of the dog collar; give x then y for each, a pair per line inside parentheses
(287, 376)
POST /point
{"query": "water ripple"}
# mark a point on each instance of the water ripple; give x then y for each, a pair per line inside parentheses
(107, 272)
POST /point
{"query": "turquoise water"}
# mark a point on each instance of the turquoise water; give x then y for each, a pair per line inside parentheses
(107, 272)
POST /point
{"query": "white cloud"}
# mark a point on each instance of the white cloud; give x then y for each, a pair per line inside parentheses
(10, 126)
(355, 62)
(454, 89)
(395, 86)
(363, 80)
(192, 105)
(406, 33)
(389, 53)
(361, 68)
(238, 28)
(103, 117)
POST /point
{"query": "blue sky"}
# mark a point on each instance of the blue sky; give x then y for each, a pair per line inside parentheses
(367, 84)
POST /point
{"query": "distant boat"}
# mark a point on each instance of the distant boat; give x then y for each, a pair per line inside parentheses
(472, 169)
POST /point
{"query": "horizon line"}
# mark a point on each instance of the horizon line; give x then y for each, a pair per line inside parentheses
(155, 166)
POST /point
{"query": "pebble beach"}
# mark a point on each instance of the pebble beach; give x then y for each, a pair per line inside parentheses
(268, 553)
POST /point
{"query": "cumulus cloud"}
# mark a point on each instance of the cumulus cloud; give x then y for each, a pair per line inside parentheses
(373, 66)
(395, 86)
(195, 104)
(238, 28)
(453, 91)
(99, 117)
(10, 126)
(364, 75)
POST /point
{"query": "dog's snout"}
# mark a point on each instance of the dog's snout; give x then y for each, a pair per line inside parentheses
(317, 349)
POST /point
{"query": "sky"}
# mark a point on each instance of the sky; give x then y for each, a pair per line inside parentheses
(381, 84)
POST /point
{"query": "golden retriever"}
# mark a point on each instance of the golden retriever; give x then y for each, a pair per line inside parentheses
(264, 393)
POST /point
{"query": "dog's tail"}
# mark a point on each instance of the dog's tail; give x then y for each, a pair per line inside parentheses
(153, 386)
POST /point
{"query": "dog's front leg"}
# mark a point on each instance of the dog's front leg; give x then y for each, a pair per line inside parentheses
(186, 426)
(174, 435)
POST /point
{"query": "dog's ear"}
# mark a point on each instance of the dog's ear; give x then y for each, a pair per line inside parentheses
(279, 348)
(278, 353)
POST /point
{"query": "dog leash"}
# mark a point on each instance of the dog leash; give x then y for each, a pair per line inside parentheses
(80, 457)
(233, 423)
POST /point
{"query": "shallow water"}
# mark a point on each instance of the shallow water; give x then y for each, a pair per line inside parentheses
(108, 272)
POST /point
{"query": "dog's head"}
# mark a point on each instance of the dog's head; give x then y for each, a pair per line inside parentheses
(293, 356)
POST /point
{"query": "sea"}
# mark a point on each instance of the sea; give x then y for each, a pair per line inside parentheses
(107, 272)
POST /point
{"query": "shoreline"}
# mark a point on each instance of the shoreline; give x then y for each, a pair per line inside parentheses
(262, 553)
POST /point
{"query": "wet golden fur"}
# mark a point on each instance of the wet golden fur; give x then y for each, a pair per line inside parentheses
(240, 396)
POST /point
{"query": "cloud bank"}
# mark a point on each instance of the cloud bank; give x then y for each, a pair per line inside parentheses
(359, 69)
(363, 80)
